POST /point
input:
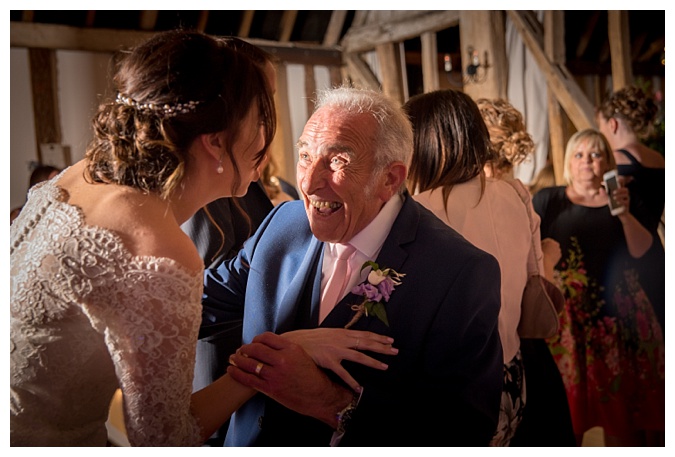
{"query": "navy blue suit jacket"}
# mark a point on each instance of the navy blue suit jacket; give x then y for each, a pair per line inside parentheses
(443, 388)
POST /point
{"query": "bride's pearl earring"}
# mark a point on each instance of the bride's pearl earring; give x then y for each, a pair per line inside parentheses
(219, 170)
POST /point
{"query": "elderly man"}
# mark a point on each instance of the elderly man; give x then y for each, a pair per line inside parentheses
(443, 387)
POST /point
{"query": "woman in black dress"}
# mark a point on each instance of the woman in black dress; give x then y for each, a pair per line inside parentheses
(610, 349)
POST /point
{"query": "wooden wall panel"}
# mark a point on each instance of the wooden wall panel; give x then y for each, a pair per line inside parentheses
(45, 97)
(619, 44)
(484, 32)
(283, 146)
(560, 81)
(554, 46)
(430, 62)
(390, 64)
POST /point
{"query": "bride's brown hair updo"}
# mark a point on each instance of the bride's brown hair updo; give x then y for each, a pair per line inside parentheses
(508, 134)
(171, 89)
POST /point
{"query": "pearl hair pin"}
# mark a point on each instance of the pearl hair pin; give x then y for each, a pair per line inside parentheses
(166, 110)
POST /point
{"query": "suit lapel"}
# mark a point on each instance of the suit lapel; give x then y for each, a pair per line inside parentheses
(392, 255)
(296, 297)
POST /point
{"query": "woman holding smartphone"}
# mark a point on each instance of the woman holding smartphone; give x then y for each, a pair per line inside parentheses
(610, 349)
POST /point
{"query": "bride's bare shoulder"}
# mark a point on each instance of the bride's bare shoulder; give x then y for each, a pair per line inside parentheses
(144, 222)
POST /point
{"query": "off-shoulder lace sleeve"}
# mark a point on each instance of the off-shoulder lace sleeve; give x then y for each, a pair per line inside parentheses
(150, 317)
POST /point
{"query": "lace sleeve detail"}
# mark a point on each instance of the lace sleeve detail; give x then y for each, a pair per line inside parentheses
(150, 318)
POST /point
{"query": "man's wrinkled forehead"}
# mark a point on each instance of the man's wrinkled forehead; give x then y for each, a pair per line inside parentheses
(333, 130)
(320, 148)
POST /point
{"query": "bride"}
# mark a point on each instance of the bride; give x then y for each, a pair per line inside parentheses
(105, 286)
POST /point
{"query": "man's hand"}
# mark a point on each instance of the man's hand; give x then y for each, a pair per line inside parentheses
(283, 371)
(328, 347)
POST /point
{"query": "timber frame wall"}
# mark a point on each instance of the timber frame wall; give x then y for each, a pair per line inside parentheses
(381, 32)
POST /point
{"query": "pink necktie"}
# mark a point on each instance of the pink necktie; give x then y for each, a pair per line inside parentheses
(334, 289)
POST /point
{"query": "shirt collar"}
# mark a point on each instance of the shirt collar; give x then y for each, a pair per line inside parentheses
(369, 241)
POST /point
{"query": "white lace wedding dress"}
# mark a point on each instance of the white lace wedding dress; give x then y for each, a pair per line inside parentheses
(87, 317)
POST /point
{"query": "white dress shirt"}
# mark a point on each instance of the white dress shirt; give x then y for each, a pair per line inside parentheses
(368, 243)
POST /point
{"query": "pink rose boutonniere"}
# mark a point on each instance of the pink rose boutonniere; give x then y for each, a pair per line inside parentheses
(376, 291)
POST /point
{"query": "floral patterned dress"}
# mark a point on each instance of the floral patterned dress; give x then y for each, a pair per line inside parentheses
(610, 350)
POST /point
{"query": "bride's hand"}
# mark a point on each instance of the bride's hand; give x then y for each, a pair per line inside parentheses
(330, 346)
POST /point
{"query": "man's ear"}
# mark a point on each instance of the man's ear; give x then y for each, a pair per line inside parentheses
(213, 144)
(394, 177)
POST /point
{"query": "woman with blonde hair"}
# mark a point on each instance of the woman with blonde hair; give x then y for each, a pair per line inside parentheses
(508, 136)
(610, 348)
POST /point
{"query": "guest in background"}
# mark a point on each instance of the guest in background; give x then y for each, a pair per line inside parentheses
(546, 418)
(508, 136)
(626, 118)
(610, 349)
(43, 173)
(39, 174)
(452, 149)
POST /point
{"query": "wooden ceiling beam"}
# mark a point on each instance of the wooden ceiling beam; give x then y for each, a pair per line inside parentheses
(148, 19)
(390, 65)
(637, 45)
(619, 46)
(554, 36)
(367, 37)
(245, 26)
(656, 47)
(302, 54)
(560, 80)
(203, 20)
(360, 72)
(287, 23)
(360, 18)
(554, 47)
(604, 55)
(337, 21)
(89, 20)
(48, 36)
(585, 37)
(430, 62)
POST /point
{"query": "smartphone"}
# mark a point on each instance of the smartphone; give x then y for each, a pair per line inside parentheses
(611, 179)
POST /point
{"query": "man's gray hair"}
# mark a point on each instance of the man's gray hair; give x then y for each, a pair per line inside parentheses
(394, 140)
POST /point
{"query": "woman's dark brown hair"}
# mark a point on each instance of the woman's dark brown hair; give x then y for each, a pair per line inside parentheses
(451, 141)
(137, 144)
